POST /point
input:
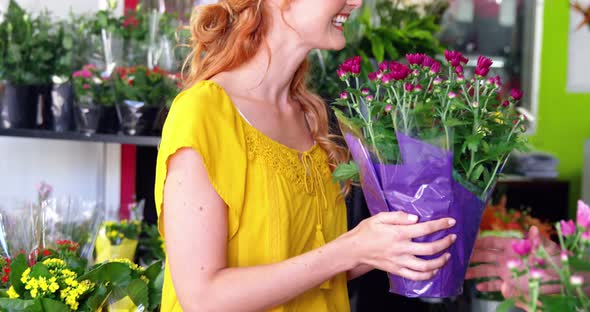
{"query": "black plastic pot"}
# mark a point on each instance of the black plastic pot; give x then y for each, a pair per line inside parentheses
(109, 121)
(136, 118)
(160, 120)
(87, 116)
(18, 106)
(58, 107)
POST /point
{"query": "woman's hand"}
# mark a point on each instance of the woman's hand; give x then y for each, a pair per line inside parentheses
(384, 241)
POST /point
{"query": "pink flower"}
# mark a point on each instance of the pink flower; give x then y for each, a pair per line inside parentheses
(496, 80)
(399, 71)
(373, 76)
(567, 228)
(428, 61)
(459, 70)
(514, 264)
(341, 73)
(44, 190)
(418, 88)
(538, 261)
(383, 66)
(537, 274)
(350, 66)
(356, 65)
(77, 74)
(437, 81)
(90, 67)
(452, 95)
(586, 236)
(415, 59)
(516, 94)
(388, 108)
(435, 68)
(576, 280)
(86, 73)
(475, 104)
(387, 78)
(483, 66)
(564, 256)
(365, 91)
(86, 86)
(583, 215)
(522, 247)
(455, 58)
(344, 96)
(506, 103)
(370, 98)
(409, 87)
(460, 78)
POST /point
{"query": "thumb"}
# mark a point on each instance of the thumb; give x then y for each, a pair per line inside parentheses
(397, 218)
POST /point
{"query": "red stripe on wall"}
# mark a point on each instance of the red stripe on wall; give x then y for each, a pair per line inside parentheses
(128, 157)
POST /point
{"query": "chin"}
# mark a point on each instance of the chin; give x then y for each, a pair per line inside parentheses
(336, 44)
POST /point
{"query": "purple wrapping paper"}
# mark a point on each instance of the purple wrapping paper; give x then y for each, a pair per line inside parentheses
(423, 185)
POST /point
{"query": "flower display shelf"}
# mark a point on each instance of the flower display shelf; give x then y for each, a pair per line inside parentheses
(77, 136)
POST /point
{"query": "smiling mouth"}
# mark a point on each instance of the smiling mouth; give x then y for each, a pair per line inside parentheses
(339, 20)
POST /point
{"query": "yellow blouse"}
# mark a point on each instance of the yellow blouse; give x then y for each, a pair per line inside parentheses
(281, 202)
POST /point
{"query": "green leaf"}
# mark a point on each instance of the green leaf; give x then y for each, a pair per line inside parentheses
(153, 270)
(472, 142)
(477, 172)
(392, 52)
(19, 305)
(506, 305)
(453, 122)
(558, 303)
(579, 265)
(377, 47)
(138, 292)
(53, 306)
(155, 296)
(40, 270)
(344, 172)
(17, 267)
(68, 43)
(114, 272)
(96, 299)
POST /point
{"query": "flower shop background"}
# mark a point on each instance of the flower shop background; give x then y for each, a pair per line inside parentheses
(115, 172)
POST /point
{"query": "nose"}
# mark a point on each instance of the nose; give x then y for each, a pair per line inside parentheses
(354, 4)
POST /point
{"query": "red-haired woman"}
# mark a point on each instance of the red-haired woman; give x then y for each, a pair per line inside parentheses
(250, 215)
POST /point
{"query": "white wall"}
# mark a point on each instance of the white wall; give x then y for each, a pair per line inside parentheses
(90, 170)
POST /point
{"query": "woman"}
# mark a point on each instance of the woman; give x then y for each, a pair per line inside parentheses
(251, 217)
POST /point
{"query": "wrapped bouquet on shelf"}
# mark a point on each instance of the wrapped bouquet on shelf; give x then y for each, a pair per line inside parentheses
(431, 142)
(119, 239)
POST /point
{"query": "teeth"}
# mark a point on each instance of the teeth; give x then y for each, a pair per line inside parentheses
(340, 19)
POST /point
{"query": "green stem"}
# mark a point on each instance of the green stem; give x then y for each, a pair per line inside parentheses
(534, 294)
(489, 184)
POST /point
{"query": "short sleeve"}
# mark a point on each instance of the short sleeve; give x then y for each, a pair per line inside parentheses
(204, 119)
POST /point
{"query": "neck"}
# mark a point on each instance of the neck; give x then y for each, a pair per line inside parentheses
(269, 74)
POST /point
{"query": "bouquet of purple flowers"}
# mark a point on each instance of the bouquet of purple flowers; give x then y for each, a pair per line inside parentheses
(428, 141)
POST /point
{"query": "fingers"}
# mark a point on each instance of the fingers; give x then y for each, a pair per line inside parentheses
(427, 249)
(482, 271)
(486, 256)
(396, 218)
(490, 242)
(429, 227)
(421, 265)
(489, 286)
(415, 275)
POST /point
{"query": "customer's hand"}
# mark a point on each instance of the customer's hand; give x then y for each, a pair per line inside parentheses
(494, 254)
(384, 241)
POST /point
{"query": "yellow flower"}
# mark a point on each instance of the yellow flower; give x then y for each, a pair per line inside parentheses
(497, 116)
(25, 275)
(43, 284)
(145, 279)
(34, 292)
(12, 294)
(53, 287)
(132, 265)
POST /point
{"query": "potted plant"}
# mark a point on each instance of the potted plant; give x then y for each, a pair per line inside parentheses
(92, 93)
(58, 94)
(141, 93)
(24, 56)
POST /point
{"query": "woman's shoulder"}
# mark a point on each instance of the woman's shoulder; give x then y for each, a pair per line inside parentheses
(203, 97)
